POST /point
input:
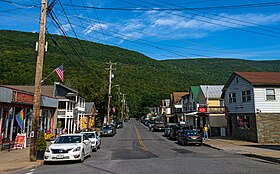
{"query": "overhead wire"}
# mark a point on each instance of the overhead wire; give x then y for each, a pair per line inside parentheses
(97, 17)
(209, 22)
(226, 17)
(140, 31)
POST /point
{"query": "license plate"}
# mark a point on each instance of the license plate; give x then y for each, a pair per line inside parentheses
(59, 156)
(193, 138)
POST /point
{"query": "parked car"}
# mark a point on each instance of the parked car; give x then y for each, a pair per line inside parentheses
(157, 126)
(190, 137)
(175, 131)
(119, 124)
(167, 129)
(68, 147)
(94, 139)
(108, 130)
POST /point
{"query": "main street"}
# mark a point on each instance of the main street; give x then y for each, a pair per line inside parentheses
(134, 149)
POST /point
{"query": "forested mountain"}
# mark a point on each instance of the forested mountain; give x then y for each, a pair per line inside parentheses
(145, 81)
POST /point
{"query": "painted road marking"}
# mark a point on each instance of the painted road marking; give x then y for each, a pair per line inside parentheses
(140, 140)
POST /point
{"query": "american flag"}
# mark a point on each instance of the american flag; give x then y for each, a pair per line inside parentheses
(60, 72)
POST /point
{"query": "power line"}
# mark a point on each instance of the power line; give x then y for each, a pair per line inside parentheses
(140, 31)
(231, 18)
(209, 22)
(259, 5)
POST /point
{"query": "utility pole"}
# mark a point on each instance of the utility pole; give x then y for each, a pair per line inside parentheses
(109, 91)
(38, 79)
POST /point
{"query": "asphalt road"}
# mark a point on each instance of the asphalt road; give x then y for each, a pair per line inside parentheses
(134, 149)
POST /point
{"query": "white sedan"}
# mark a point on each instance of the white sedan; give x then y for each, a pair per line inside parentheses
(94, 139)
(69, 147)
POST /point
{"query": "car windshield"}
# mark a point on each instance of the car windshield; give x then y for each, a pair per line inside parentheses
(91, 135)
(107, 128)
(191, 133)
(68, 139)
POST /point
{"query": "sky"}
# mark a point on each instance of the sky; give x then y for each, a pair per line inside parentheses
(160, 29)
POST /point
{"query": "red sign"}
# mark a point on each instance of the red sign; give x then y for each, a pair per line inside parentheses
(19, 142)
(25, 98)
(202, 109)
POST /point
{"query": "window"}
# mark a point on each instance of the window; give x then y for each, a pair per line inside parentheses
(243, 122)
(246, 96)
(232, 97)
(236, 79)
(270, 94)
(61, 105)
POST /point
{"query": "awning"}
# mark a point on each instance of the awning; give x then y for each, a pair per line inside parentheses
(191, 114)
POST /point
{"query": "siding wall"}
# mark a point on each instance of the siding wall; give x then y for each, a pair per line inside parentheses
(239, 106)
(266, 106)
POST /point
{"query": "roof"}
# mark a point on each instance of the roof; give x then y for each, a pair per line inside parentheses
(178, 95)
(261, 78)
(212, 91)
(195, 90)
(45, 90)
(89, 106)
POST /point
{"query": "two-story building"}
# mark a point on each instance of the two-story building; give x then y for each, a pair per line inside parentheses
(210, 109)
(190, 112)
(71, 106)
(176, 99)
(253, 106)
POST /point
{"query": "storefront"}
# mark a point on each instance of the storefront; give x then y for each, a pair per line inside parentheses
(16, 113)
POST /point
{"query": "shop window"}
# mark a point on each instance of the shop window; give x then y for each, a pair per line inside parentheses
(246, 96)
(243, 122)
(270, 94)
(232, 97)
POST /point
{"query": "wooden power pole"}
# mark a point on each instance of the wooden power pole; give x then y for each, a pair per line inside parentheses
(109, 91)
(38, 79)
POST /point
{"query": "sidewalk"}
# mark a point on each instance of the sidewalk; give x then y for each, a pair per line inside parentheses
(270, 152)
(15, 160)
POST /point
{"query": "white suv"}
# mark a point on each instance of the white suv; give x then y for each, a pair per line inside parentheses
(69, 147)
(94, 139)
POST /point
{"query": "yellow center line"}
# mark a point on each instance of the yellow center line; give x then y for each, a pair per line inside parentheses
(140, 140)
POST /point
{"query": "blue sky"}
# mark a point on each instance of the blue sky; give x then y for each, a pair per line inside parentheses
(162, 29)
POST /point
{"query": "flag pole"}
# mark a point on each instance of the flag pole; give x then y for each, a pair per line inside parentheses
(47, 76)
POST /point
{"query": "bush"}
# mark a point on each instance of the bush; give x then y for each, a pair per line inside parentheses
(41, 143)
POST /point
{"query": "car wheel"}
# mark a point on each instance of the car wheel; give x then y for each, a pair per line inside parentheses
(82, 157)
(95, 149)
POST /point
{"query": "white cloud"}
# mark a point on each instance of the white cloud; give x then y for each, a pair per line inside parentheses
(96, 27)
(179, 25)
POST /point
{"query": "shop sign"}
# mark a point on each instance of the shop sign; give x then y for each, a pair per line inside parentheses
(202, 109)
(20, 141)
(24, 98)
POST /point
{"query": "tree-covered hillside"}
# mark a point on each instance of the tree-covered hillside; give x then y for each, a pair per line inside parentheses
(145, 81)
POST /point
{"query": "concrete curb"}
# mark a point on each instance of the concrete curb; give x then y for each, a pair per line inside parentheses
(208, 145)
(36, 164)
(266, 158)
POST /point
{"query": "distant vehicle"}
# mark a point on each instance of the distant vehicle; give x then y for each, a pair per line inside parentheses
(108, 130)
(68, 147)
(157, 126)
(119, 124)
(94, 139)
(167, 129)
(126, 120)
(190, 137)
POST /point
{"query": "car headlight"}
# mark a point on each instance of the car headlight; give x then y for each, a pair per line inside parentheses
(77, 149)
(47, 150)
